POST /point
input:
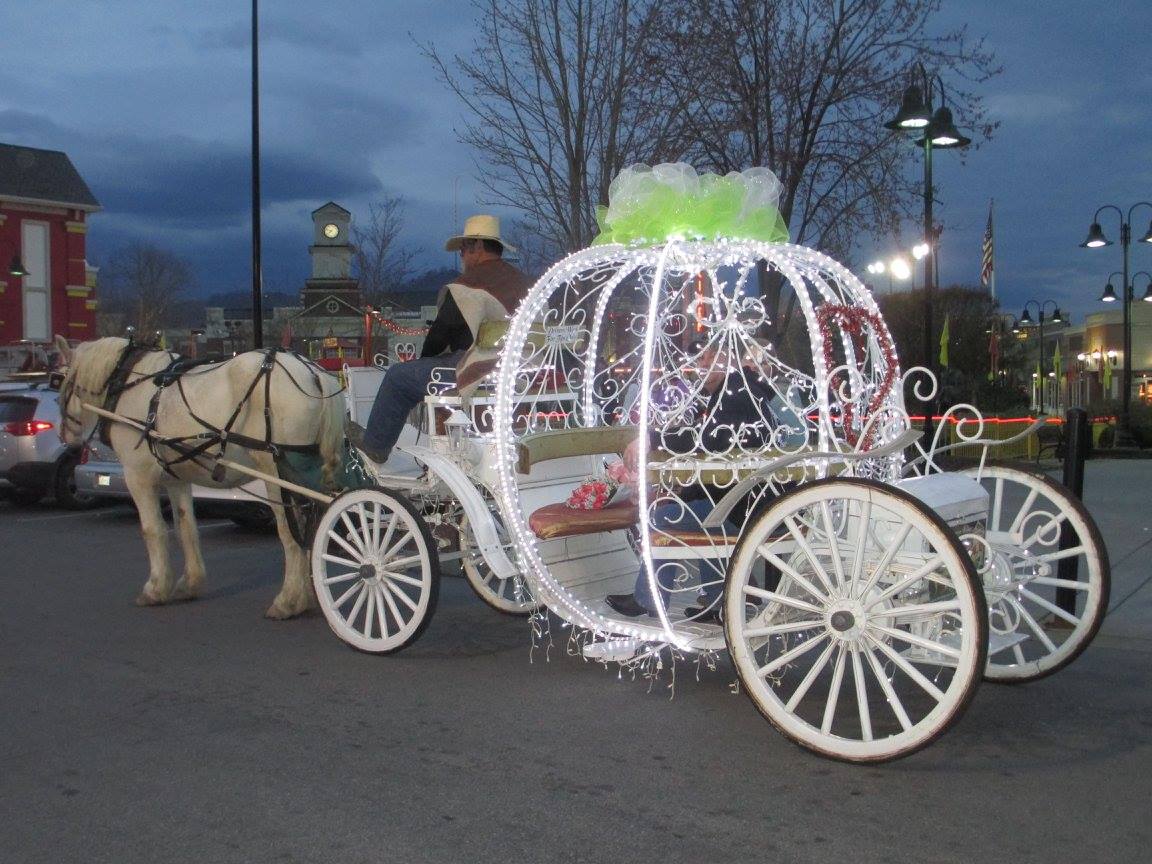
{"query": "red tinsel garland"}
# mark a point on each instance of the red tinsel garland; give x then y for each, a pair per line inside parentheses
(852, 320)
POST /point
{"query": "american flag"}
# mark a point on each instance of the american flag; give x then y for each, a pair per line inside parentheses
(987, 268)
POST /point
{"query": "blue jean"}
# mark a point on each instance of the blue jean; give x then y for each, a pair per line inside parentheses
(687, 517)
(404, 387)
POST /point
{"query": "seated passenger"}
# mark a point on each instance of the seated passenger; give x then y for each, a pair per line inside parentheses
(488, 288)
(741, 404)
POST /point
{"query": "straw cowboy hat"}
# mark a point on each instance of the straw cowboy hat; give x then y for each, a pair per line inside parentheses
(481, 227)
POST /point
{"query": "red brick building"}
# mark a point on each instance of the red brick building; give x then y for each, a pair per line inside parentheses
(46, 284)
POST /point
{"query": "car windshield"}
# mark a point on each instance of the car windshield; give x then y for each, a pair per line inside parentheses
(16, 409)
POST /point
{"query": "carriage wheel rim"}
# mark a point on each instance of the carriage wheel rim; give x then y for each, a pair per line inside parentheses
(510, 596)
(855, 640)
(373, 572)
(1019, 601)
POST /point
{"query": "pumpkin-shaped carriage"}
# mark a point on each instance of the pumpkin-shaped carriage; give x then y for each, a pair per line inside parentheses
(773, 501)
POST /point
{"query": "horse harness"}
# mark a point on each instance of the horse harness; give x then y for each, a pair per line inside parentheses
(194, 448)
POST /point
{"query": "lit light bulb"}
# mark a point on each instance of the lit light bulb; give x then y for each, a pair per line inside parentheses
(900, 268)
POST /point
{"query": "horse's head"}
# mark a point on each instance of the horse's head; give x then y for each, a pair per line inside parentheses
(88, 365)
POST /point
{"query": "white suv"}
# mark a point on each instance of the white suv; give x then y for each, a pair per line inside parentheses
(34, 462)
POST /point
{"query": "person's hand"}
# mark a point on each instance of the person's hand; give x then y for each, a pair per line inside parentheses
(632, 456)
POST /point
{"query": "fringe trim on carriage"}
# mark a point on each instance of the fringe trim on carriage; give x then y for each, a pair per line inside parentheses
(650, 662)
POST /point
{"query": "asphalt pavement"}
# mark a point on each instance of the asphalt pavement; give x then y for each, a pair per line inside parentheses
(201, 732)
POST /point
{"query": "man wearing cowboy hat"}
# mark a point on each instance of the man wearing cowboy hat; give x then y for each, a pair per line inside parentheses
(488, 288)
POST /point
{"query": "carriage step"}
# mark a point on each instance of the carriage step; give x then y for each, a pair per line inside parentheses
(613, 650)
(998, 642)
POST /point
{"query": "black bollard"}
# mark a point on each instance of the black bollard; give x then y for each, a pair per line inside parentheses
(1077, 440)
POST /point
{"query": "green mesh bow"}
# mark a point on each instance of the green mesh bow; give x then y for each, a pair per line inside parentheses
(652, 205)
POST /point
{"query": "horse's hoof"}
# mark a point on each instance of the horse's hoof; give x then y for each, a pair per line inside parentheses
(146, 599)
(183, 592)
(277, 614)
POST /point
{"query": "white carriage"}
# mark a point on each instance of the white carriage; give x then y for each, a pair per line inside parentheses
(861, 592)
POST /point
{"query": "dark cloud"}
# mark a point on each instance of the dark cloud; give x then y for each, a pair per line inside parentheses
(308, 35)
(180, 181)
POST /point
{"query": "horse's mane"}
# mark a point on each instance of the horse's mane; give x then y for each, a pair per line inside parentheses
(93, 362)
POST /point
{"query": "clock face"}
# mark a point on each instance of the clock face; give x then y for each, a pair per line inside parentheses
(331, 231)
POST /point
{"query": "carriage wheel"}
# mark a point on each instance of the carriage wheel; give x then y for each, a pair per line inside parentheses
(855, 620)
(510, 596)
(375, 570)
(1045, 572)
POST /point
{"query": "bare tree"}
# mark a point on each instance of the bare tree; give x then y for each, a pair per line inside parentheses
(804, 87)
(560, 100)
(146, 286)
(380, 262)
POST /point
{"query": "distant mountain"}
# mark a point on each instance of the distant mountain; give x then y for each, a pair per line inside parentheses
(430, 281)
(238, 299)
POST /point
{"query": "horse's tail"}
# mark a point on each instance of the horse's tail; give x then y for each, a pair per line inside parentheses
(331, 434)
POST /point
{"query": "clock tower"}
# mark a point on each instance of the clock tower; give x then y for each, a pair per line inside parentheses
(331, 250)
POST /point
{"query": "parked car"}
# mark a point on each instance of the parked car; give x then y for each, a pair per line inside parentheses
(27, 357)
(101, 475)
(34, 462)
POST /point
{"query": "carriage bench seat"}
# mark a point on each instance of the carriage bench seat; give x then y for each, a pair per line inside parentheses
(555, 521)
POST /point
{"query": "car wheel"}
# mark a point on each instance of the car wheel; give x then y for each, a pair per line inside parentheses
(257, 518)
(67, 495)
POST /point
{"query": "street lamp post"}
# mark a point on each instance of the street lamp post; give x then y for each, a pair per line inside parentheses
(1026, 321)
(938, 131)
(1096, 239)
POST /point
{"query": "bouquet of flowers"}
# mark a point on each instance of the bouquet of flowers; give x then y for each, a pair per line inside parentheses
(616, 484)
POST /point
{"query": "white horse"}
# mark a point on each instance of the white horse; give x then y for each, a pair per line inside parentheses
(304, 408)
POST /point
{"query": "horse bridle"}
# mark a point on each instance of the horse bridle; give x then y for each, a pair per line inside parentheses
(113, 388)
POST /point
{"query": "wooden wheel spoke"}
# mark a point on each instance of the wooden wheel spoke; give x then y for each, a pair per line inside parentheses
(337, 603)
(388, 531)
(351, 616)
(396, 547)
(802, 542)
(788, 656)
(347, 547)
(336, 559)
(402, 562)
(833, 692)
(782, 599)
(907, 668)
(862, 706)
(805, 685)
(862, 543)
(1049, 557)
(777, 629)
(791, 572)
(403, 577)
(381, 616)
(1051, 607)
(1022, 513)
(1033, 625)
(354, 533)
(370, 611)
(885, 561)
(341, 577)
(919, 641)
(892, 590)
(392, 607)
(889, 692)
(1053, 525)
(918, 609)
(1070, 584)
(833, 542)
(404, 598)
